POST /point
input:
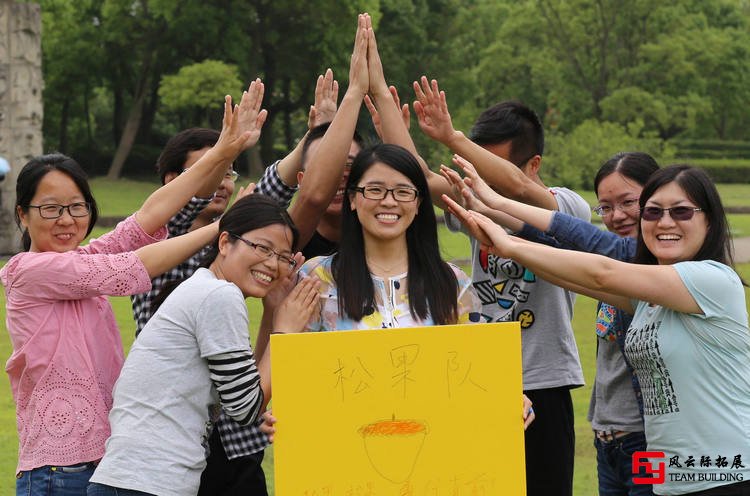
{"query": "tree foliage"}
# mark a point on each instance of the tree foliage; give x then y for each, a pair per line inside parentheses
(634, 72)
(192, 93)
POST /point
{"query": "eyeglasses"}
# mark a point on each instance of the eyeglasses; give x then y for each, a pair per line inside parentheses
(54, 211)
(651, 214)
(624, 206)
(400, 194)
(268, 252)
(231, 174)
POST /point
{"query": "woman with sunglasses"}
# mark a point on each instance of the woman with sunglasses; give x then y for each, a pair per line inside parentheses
(689, 332)
(67, 350)
(616, 408)
(194, 355)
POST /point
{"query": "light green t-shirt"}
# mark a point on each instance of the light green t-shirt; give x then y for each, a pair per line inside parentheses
(694, 371)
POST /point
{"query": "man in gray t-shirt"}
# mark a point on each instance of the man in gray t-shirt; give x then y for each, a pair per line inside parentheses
(506, 146)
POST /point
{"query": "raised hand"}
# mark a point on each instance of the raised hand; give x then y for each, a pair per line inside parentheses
(467, 219)
(295, 311)
(473, 180)
(326, 100)
(432, 111)
(457, 186)
(244, 191)
(375, 115)
(495, 239)
(242, 123)
(378, 86)
(251, 118)
(359, 79)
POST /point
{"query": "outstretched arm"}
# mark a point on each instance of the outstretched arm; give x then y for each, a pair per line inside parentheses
(435, 121)
(162, 256)
(610, 280)
(375, 115)
(322, 111)
(392, 124)
(470, 201)
(240, 130)
(326, 167)
(540, 218)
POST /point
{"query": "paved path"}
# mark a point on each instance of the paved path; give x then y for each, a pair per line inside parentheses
(742, 250)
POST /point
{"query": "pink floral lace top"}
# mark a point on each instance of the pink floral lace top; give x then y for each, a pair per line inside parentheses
(67, 350)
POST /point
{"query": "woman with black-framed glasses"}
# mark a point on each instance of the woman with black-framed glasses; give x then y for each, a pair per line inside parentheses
(67, 350)
(388, 271)
(193, 356)
(688, 341)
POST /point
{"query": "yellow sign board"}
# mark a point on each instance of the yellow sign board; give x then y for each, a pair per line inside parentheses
(433, 411)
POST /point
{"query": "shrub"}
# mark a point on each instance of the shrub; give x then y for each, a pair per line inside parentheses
(573, 159)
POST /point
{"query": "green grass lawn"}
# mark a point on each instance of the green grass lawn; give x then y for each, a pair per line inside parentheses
(123, 197)
(585, 463)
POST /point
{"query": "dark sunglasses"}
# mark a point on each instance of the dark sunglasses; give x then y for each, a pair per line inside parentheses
(651, 214)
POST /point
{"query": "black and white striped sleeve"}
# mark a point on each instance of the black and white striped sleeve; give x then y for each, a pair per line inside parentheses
(236, 378)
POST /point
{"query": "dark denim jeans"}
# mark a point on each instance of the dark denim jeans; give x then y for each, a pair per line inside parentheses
(55, 481)
(614, 463)
(104, 490)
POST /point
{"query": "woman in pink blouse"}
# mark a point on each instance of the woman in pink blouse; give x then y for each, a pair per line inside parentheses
(67, 351)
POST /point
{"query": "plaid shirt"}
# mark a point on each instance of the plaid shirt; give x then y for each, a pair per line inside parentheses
(177, 226)
(237, 440)
(271, 184)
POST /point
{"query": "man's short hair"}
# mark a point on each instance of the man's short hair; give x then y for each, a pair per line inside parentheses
(510, 121)
(318, 131)
(175, 152)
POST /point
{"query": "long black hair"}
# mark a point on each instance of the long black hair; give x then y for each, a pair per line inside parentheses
(699, 187)
(247, 214)
(31, 175)
(433, 286)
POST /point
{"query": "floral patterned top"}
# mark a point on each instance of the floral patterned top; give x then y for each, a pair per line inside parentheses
(391, 301)
(67, 350)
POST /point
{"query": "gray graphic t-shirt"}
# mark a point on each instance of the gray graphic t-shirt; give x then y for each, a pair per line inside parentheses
(511, 292)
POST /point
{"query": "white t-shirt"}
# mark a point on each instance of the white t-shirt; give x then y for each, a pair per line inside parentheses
(694, 372)
(164, 400)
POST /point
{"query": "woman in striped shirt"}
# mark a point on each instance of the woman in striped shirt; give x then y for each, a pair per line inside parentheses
(194, 355)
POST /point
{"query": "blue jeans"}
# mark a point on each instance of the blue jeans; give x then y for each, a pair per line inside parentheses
(614, 463)
(55, 481)
(104, 490)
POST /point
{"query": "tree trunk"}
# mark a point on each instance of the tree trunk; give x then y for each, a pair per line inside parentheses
(128, 137)
(87, 115)
(117, 114)
(130, 132)
(62, 145)
(149, 112)
(289, 139)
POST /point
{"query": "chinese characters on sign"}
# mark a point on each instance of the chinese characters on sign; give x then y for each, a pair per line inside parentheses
(365, 413)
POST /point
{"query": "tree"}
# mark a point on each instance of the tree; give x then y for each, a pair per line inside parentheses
(69, 36)
(194, 92)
